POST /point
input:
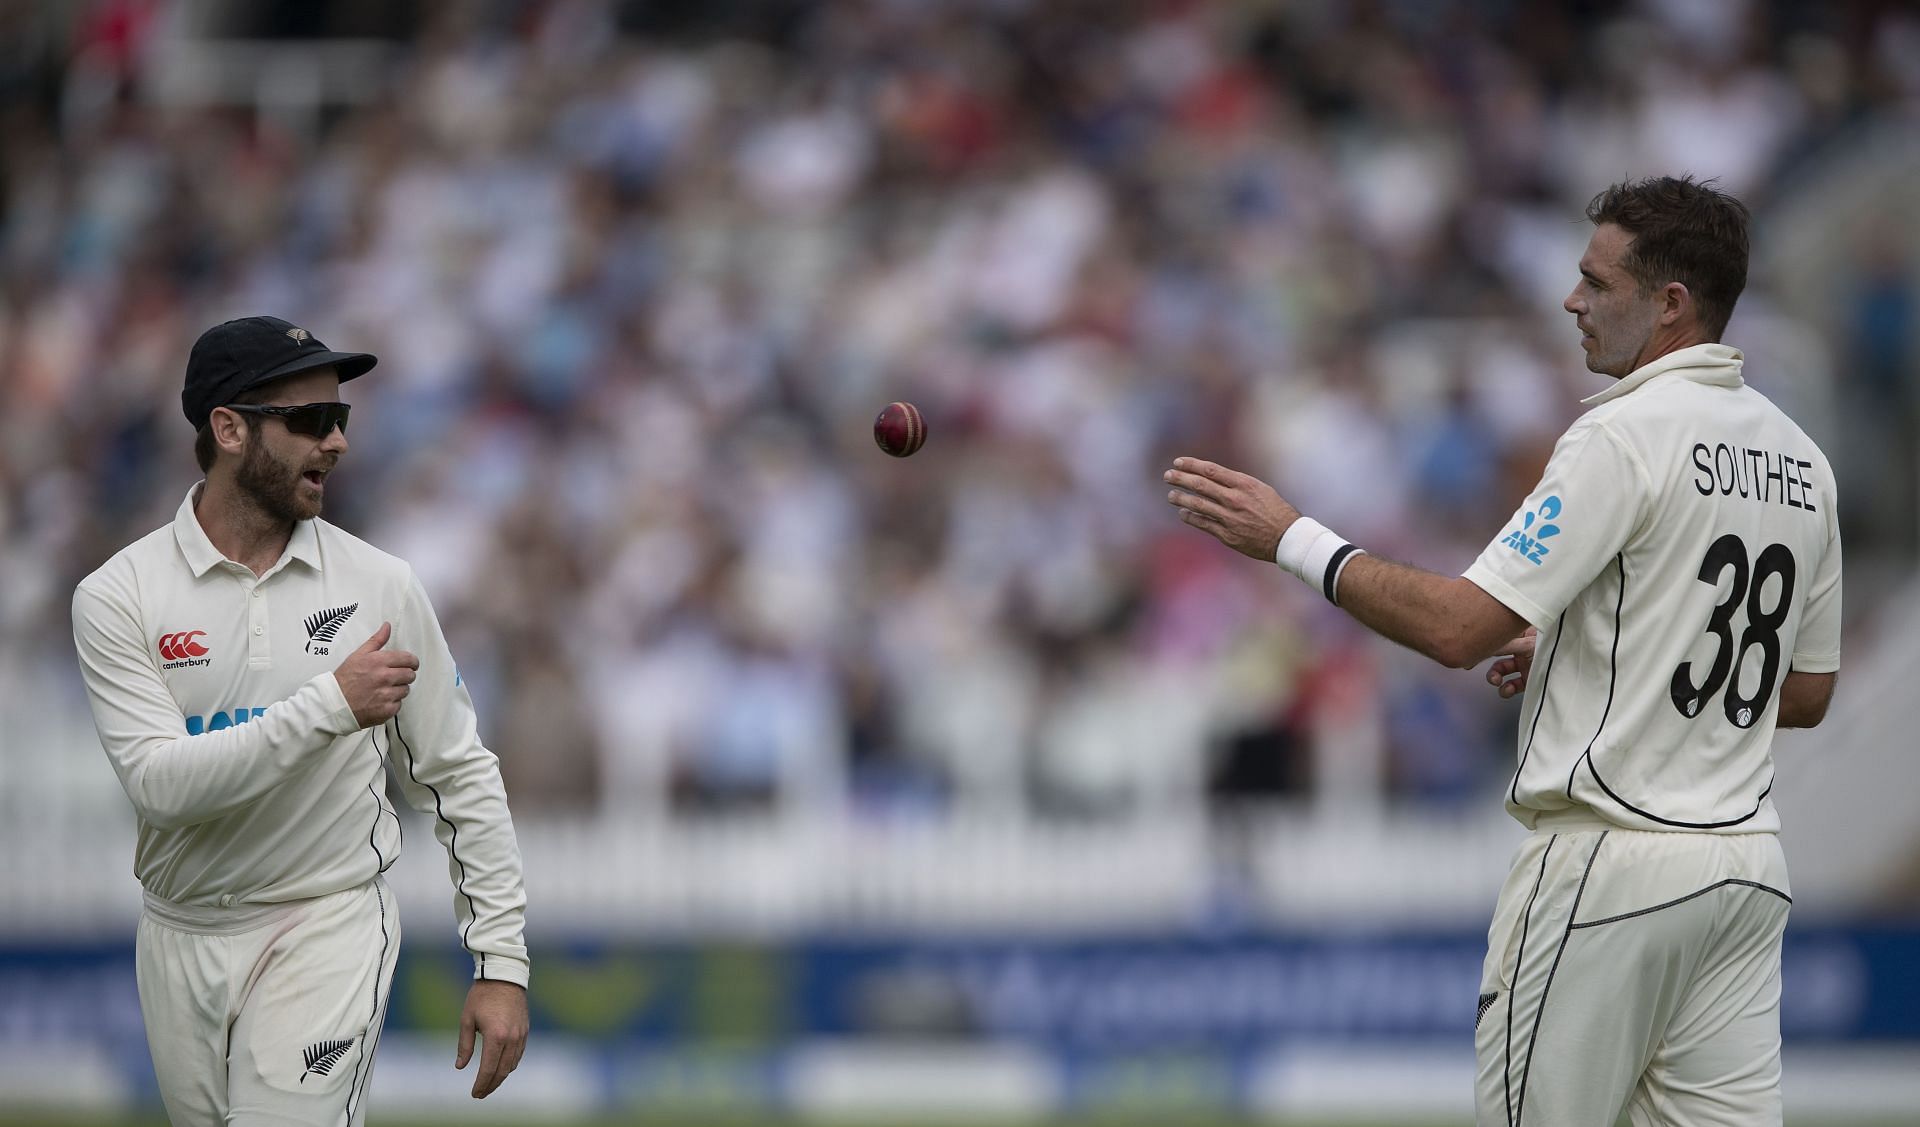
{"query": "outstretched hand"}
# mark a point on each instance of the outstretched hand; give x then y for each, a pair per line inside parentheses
(1239, 510)
(1509, 673)
(497, 1011)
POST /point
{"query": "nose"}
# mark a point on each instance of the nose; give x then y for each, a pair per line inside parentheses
(1573, 304)
(336, 441)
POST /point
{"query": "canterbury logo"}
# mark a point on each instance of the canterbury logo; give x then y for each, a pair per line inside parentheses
(180, 646)
(323, 625)
(323, 1055)
(299, 336)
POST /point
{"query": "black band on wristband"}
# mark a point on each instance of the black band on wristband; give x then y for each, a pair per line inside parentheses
(1333, 569)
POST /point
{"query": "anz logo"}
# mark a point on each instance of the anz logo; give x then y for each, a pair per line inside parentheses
(197, 724)
(1530, 541)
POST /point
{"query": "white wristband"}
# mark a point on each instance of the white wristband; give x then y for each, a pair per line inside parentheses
(1316, 554)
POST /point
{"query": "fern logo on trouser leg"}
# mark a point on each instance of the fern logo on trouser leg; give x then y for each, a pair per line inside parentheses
(321, 1056)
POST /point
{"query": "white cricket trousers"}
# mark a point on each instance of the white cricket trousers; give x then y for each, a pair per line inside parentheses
(1637, 971)
(267, 1015)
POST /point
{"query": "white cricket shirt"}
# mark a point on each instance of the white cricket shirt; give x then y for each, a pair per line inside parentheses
(214, 695)
(1679, 556)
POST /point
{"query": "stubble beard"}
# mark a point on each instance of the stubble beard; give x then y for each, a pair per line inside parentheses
(273, 486)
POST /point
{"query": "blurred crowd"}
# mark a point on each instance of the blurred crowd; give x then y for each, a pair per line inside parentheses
(638, 292)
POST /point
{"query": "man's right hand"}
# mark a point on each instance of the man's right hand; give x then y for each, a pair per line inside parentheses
(374, 680)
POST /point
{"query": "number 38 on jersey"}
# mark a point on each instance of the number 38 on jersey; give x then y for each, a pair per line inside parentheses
(1763, 590)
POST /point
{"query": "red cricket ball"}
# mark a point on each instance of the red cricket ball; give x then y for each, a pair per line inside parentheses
(900, 429)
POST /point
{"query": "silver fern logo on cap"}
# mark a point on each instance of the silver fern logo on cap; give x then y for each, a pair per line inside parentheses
(299, 336)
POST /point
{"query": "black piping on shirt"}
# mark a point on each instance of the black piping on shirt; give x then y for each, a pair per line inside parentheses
(1613, 676)
(1613, 669)
(453, 842)
(1546, 679)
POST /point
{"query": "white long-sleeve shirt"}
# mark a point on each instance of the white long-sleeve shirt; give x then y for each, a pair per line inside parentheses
(214, 695)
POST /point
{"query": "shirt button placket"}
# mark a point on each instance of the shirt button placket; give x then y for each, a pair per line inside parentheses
(258, 652)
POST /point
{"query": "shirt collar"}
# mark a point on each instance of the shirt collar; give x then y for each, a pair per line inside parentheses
(305, 544)
(203, 557)
(1716, 364)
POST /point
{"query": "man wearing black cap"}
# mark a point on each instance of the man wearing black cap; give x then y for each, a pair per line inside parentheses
(254, 672)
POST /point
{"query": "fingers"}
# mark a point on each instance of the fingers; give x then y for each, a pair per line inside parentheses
(499, 1056)
(1194, 502)
(1242, 512)
(1509, 676)
(385, 663)
(1201, 467)
(490, 1074)
(1210, 519)
(1196, 484)
(1208, 479)
(378, 640)
(1205, 524)
(497, 1014)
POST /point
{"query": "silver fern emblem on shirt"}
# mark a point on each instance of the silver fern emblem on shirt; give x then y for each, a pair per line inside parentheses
(321, 1056)
(322, 625)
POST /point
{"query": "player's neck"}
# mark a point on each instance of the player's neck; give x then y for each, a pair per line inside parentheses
(238, 527)
(1666, 341)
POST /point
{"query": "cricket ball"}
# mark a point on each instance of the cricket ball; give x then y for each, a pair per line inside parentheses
(900, 429)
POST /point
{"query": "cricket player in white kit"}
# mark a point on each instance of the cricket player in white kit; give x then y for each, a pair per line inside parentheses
(254, 672)
(1666, 597)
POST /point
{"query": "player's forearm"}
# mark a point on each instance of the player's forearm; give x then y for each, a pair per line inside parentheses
(1447, 618)
(444, 770)
(189, 779)
(1804, 698)
(1415, 608)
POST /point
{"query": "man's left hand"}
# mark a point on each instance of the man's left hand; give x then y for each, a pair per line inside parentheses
(497, 1011)
(1239, 510)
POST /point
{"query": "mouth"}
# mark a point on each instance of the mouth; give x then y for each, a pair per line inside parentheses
(316, 478)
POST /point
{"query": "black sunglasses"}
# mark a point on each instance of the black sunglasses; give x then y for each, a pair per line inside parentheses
(315, 420)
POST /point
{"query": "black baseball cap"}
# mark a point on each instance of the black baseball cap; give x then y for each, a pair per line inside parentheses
(234, 356)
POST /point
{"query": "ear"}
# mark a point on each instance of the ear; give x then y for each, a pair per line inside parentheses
(1676, 303)
(229, 430)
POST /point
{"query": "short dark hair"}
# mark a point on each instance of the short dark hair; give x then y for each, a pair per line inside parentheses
(204, 449)
(1685, 232)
